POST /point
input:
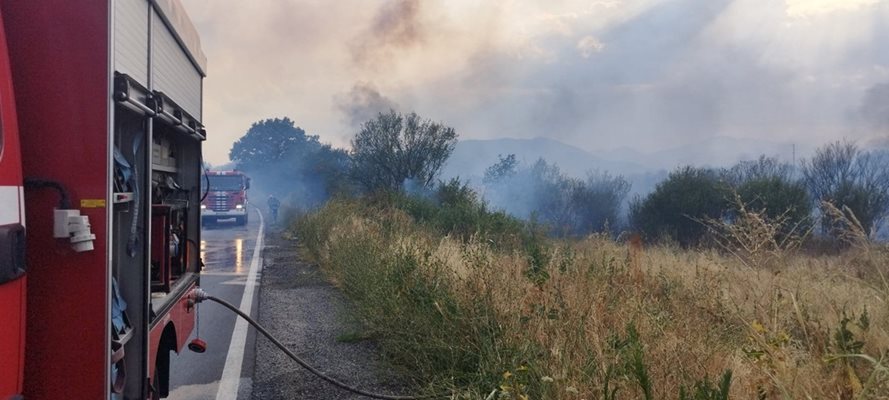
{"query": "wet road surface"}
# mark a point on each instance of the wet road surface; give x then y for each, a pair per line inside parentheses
(228, 251)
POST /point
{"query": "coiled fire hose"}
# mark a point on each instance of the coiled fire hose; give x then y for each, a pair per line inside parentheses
(201, 295)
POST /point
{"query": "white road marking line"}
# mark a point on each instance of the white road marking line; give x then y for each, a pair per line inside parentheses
(244, 274)
(231, 374)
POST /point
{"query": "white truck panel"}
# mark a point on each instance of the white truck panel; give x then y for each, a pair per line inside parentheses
(172, 72)
(131, 39)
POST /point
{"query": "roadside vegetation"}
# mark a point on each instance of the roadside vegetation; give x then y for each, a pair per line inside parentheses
(759, 281)
(509, 313)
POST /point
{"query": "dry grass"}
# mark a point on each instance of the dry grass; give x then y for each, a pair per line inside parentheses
(754, 238)
(576, 321)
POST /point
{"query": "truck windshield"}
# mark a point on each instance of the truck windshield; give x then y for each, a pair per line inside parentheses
(226, 182)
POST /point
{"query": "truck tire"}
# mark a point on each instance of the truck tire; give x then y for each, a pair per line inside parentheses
(153, 391)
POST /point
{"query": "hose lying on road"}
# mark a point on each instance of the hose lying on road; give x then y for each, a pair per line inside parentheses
(200, 295)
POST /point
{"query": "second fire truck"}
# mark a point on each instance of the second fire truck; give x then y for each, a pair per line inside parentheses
(226, 197)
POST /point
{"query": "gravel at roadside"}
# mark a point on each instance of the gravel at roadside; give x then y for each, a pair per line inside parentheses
(309, 315)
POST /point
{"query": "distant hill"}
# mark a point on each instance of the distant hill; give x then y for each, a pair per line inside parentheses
(643, 170)
(472, 157)
(719, 151)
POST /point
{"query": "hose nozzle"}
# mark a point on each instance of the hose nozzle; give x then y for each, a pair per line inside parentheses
(199, 295)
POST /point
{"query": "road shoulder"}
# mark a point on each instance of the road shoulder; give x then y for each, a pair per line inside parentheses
(309, 315)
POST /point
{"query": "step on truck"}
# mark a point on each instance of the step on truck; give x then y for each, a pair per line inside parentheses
(226, 197)
(100, 192)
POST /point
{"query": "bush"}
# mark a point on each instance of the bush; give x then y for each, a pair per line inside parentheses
(673, 209)
(777, 198)
(453, 208)
(567, 206)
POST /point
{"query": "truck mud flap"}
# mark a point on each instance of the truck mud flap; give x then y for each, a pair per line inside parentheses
(12, 252)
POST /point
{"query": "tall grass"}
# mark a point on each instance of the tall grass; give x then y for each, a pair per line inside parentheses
(508, 314)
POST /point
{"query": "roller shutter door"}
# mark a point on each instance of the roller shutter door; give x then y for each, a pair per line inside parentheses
(131, 39)
(172, 72)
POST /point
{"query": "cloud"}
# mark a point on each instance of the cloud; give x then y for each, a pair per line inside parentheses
(810, 8)
(588, 45)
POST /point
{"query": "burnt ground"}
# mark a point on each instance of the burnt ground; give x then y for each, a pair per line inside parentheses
(309, 315)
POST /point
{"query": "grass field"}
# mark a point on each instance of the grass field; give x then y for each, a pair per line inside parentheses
(507, 313)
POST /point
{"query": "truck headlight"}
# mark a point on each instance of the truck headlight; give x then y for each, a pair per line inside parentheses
(203, 207)
(239, 206)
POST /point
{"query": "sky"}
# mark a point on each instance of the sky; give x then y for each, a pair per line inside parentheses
(597, 74)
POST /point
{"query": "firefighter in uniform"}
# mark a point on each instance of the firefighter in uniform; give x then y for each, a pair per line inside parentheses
(274, 203)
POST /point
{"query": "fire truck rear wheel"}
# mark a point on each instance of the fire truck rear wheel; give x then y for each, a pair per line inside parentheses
(153, 393)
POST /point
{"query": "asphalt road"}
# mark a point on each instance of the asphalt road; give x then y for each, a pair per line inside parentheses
(228, 252)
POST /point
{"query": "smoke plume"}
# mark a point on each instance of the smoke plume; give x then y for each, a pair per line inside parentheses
(397, 25)
(875, 107)
(362, 103)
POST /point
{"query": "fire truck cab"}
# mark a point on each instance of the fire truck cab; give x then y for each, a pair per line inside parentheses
(226, 197)
(100, 191)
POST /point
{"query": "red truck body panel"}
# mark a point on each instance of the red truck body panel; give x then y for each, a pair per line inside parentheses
(12, 293)
(12, 336)
(180, 319)
(63, 125)
(62, 89)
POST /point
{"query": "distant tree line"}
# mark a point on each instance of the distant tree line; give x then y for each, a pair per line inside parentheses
(405, 153)
(392, 152)
(840, 173)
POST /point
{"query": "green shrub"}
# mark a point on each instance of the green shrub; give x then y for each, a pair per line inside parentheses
(671, 211)
(454, 209)
(778, 198)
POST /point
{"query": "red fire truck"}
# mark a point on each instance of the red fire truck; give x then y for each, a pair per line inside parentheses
(226, 196)
(100, 153)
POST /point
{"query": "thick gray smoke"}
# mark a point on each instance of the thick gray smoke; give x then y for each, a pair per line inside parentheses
(875, 108)
(647, 75)
(657, 78)
(397, 25)
(363, 103)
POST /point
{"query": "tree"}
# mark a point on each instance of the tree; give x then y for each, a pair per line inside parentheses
(393, 149)
(282, 159)
(269, 141)
(567, 206)
(503, 168)
(597, 202)
(844, 175)
(674, 208)
(763, 168)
